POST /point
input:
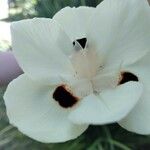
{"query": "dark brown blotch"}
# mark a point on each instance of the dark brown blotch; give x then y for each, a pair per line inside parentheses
(64, 97)
(81, 41)
(126, 77)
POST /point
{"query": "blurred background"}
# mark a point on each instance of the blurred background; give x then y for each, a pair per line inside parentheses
(111, 137)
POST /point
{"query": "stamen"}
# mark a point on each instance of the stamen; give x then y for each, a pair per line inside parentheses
(127, 76)
(82, 42)
(64, 97)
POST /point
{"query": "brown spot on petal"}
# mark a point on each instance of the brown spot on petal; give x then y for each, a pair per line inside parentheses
(82, 42)
(126, 77)
(64, 97)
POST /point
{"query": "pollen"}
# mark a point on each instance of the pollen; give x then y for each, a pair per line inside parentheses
(64, 96)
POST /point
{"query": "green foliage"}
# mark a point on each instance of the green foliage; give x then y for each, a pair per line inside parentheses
(111, 137)
(21, 9)
(47, 8)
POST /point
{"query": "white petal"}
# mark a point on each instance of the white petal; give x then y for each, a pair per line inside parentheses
(74, 20)
(31, 108)
(139, 119)
(82, 88)
(120, 28)
(36, 44)
(104, 81)
(110, 106)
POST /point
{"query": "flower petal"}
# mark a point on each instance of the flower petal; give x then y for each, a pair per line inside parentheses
(109, 106)
(30, 107)
(36, 44)
(106, 80)
(139, 119)
(74, 20)
(120, 29)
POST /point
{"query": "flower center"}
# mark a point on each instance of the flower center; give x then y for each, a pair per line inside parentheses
(85, 61)
(90, 77)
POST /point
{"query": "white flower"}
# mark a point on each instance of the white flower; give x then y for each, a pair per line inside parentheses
(84, 66)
